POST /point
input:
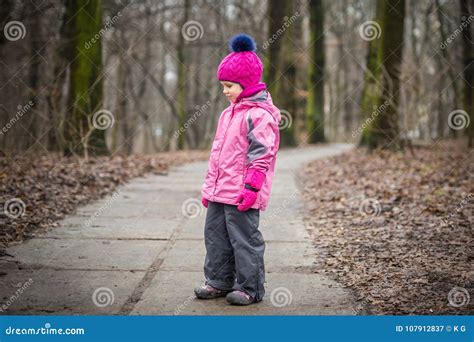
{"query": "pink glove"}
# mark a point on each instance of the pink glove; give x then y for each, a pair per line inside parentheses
(247, 197)
(204, 202)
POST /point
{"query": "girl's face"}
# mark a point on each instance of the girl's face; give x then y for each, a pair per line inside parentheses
(231, 90)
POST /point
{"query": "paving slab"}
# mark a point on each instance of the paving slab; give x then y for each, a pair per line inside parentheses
(286, 294)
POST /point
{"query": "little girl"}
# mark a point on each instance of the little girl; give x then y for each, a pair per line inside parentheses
(239, 178)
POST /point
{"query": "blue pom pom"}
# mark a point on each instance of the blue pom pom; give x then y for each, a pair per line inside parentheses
(242, 42)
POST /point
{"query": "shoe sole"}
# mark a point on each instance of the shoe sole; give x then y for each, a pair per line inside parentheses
(241, 303)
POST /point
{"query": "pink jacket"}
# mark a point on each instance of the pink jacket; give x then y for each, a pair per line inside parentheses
(247, 136)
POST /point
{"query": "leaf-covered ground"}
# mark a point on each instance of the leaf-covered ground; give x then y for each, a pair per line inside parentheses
(397, 228)
(37, 192)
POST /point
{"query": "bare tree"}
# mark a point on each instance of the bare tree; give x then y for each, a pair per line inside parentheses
(468, 57)
(383, 130)
(85, 84)
(315, 101)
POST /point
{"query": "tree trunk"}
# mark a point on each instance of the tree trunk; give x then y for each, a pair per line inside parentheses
(346, 91)
(120, 104)
(287, 88)
(57, 93)
(444, 52)
(280, 70)
(383, 129)
(468, 57)
(272, 59)
(34, 76)
(181, 93)
(315, 102)
(85, 86)
(372, 82)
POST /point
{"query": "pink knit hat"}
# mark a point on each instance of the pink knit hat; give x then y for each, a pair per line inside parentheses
(242, 65)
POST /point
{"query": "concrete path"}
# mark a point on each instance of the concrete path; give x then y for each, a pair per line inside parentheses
(140, 251)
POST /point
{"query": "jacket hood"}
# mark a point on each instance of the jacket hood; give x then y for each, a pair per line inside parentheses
(263, 100)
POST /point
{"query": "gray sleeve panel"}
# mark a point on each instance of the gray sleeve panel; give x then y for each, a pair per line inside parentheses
(256, 148)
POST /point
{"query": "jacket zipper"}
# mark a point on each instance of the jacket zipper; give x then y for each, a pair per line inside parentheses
(220, 150)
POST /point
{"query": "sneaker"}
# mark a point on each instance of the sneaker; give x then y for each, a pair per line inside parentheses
(240, 298)
(206, 291)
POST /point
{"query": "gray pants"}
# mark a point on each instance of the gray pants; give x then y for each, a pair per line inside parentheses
(235, 248)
